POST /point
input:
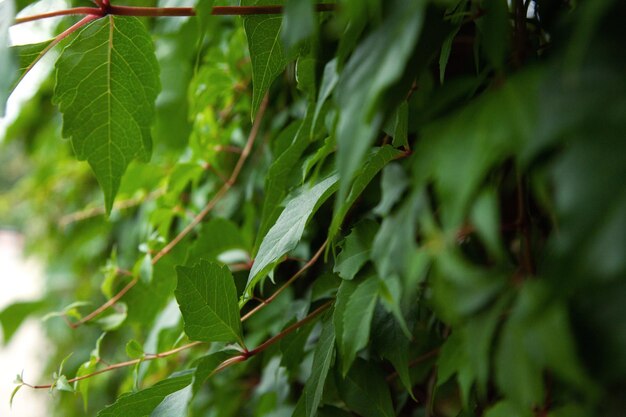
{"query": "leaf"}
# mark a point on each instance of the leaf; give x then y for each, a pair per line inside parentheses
(288, 229)
(207, 298)
(356, 249)
(365, 391)
(209, 246)
(134, 350)
(205, 367)
(7, 12)
(378, 62)
(507, 409)
(299, 22)
(13, 315)
(391, 343)
(357, 320)
(62, 385)
(144, 402)
(322, 359)
(401, 126)
(266, 50)
(175, 404)
(15, 390)
(374, 163)
(329, 81)
(495, 30)
(107, 84)
(392, 184)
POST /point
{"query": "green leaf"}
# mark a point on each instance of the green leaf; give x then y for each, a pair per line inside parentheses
(15, 390)
(207, 298)
(288, 229)
(144, 402)
(7, 12)
(13, 315)
(374, 163)
(365, 391)
(495, 27)
(378, 62)
(357, 319)
(134, 349)
(356, 249)
(508, 409)
(208, 247)
(299, 22)
(266, 50)
(401, 126)
(322, 359)
(205, 367)
(107, 84)
(391, 343)
(329, 82)
(392, 184)
(175, 404)
(62, 385)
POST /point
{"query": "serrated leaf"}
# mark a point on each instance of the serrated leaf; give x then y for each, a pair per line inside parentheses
(207, 298)
(107, 84)
(378, 62)
(391, 343)
(356, 249)
(365, 391)
(322, 359)
(288, 229)
(266, 50)
(7, 68)
(357, 320)
(374, 163)
(144, 402)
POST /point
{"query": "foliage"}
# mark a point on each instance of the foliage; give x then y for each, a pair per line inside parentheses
(373, 208)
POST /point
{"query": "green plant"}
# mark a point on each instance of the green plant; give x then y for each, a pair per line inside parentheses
(425, 216)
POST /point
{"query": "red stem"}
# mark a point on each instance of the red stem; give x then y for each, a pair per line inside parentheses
(106, 9)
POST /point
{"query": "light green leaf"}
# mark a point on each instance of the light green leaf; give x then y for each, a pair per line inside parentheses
(175, 404)
(134, 350)
(322, 359)
(207, 298)
(374, 163)
(15, 390)
(378, 62)
(357, 320)
(144, 402)
(7, 68)
(62, 385)
(266, 50)
(366, 392)
(356, 249)
(13, 315)
(107, 84)
(288, 229)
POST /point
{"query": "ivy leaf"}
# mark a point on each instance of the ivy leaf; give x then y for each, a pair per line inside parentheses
(266, 50)
(7, 11)
(314, 387)
(288, 229)
(107, 84)
(144, 402)
(207, 298)
(365, 391)
(356, 249)
(378, 62)
(374, 163)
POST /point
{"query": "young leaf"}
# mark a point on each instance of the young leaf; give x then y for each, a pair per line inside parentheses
(288, 229)
(133, 349)
(207, 298)
(322, 358)
(107, 84)
(144, 402)
(15, 390)
(266, 50)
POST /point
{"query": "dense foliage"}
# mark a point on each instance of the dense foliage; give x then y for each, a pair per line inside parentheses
(392, 208)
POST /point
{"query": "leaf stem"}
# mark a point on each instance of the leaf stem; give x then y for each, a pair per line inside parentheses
(106, 9)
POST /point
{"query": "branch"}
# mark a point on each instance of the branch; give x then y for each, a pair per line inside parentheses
(288, 283)
(106, 9)
(228, 362)
(254, 132)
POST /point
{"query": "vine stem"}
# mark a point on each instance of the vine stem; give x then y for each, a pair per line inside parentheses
(228, 362)
(254, 132)
(106, 9)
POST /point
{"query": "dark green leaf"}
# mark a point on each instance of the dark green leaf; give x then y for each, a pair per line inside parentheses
(356, 249)
(299, 22)
(365, 391)
(207, 298)
(392, 184)
(107, 84)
